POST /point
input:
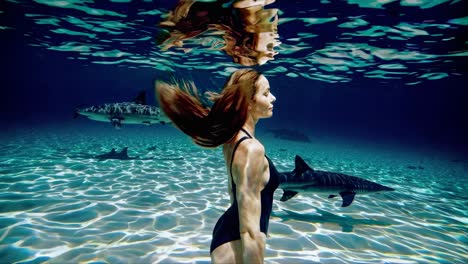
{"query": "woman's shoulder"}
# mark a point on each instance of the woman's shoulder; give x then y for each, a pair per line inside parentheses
(251, 148)
(249, 155)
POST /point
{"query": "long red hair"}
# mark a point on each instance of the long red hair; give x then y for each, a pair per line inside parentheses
(209, 127)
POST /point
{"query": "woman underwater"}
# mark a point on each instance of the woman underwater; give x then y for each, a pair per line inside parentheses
(240, 233)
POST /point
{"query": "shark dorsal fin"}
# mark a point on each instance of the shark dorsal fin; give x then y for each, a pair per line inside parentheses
(112, 151)
(301, 165)
(140, 98)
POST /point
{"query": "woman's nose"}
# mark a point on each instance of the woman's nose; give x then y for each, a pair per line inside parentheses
(273, 98)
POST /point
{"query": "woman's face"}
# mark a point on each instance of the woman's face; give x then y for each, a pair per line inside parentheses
(262, 103)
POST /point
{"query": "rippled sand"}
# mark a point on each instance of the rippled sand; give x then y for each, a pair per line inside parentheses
(58, 204)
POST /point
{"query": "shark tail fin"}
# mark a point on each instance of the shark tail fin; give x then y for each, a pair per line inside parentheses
(140, 98)
(124, 151)
(287, 195)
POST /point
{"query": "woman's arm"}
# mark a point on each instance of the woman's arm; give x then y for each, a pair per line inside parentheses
(250, 167)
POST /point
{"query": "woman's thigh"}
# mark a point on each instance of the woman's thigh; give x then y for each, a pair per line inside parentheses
(229, 252)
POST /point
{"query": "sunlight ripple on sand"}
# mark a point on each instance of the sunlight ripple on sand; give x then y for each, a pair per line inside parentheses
(59, 204)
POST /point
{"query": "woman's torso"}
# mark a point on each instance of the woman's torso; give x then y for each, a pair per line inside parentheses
(270, 176)
(227, 227)
(229, 151)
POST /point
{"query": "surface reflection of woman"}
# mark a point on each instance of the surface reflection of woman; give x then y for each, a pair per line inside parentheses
(240, 233)
(249, 31)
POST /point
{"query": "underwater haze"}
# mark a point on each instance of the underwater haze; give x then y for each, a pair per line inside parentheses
(373, 89)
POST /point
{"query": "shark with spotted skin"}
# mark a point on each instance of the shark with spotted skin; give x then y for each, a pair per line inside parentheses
(134, 112)
(304, 179)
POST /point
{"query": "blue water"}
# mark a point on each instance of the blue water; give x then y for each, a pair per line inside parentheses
(62, 205)
(377, 88)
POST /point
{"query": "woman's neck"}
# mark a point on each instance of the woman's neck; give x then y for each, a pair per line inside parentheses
(250, 125)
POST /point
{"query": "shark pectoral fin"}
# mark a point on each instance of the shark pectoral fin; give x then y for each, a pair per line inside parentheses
(287, 195)
(347, 197)
(332, 196)
(116, 123)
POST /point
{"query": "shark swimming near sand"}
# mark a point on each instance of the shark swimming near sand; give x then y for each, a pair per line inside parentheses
(113, 154)
(133, 112)
(122, 155)
(304, 179)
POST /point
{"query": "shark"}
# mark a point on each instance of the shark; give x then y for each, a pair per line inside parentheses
(133, 112)
(113, 154)
(120, 155)
(304, 179)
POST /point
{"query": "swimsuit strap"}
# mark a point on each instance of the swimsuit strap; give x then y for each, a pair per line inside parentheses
(245, 131)
(234, 152)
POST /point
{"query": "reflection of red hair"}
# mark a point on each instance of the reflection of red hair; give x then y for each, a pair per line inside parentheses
(209, 127)
(249, 31)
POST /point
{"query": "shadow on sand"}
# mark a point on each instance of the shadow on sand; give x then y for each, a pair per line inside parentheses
(347, 223)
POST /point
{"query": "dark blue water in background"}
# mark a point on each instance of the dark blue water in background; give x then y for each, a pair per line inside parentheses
(379, 89)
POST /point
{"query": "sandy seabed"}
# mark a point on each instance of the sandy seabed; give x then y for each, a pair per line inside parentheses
(59, 204)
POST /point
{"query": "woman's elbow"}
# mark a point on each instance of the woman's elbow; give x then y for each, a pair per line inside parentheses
(254, 236)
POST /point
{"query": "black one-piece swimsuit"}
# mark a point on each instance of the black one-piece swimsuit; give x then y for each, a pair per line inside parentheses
(227, 227)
